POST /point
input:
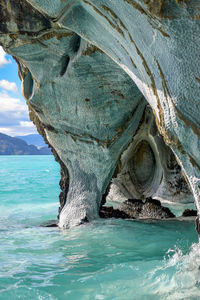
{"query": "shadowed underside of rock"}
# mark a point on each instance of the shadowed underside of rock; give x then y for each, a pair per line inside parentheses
(114, 88)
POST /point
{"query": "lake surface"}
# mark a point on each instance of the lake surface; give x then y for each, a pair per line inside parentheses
(107, 259)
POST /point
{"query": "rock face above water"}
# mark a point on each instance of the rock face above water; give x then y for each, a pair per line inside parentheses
(113, 87)
(137, 209)
(150, 209)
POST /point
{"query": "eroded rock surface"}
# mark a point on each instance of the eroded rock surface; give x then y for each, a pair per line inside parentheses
(137, 209)
(148, 168)
(150, 209)
(89, 68)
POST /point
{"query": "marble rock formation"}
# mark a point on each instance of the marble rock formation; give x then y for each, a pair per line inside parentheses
(97, 76)
(148, 168)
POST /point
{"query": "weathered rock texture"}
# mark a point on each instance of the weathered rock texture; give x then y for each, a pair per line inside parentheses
(148, 168)
(150, 209)
(88, 70)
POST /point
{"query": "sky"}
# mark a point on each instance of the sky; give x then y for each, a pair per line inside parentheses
(14, 119)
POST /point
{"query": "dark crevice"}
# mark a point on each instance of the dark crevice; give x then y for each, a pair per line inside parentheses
(104, 196)
(198, 225)
(64, 64)
(64, 183)
(50, 128)
(76, 43)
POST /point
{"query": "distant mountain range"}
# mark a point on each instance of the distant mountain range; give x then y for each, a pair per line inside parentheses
(33, 139)
(16, 146)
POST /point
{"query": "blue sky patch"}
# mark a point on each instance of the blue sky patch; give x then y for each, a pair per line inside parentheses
(14, 119)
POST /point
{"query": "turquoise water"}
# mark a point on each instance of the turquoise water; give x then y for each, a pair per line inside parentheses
(107, 259)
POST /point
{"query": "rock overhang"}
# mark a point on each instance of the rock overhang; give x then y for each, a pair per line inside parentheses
(72, 59)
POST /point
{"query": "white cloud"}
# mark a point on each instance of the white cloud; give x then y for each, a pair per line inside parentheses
(14, 119)
(12, 105)
(26, 124)
(18, 130)
(5, 130)
(9, 86)
(3, 60)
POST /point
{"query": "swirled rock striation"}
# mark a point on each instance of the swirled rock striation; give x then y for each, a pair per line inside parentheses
(113, 86)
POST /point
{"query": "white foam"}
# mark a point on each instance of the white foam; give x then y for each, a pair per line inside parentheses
(179, 277)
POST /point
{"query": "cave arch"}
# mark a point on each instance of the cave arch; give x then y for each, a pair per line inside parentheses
(149, 45)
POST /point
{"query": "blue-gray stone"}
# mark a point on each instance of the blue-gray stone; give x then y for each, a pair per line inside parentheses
(88, 70)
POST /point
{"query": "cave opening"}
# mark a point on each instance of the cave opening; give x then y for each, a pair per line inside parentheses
(148, 172)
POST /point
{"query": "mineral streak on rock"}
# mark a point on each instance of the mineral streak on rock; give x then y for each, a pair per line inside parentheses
(87, 67)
